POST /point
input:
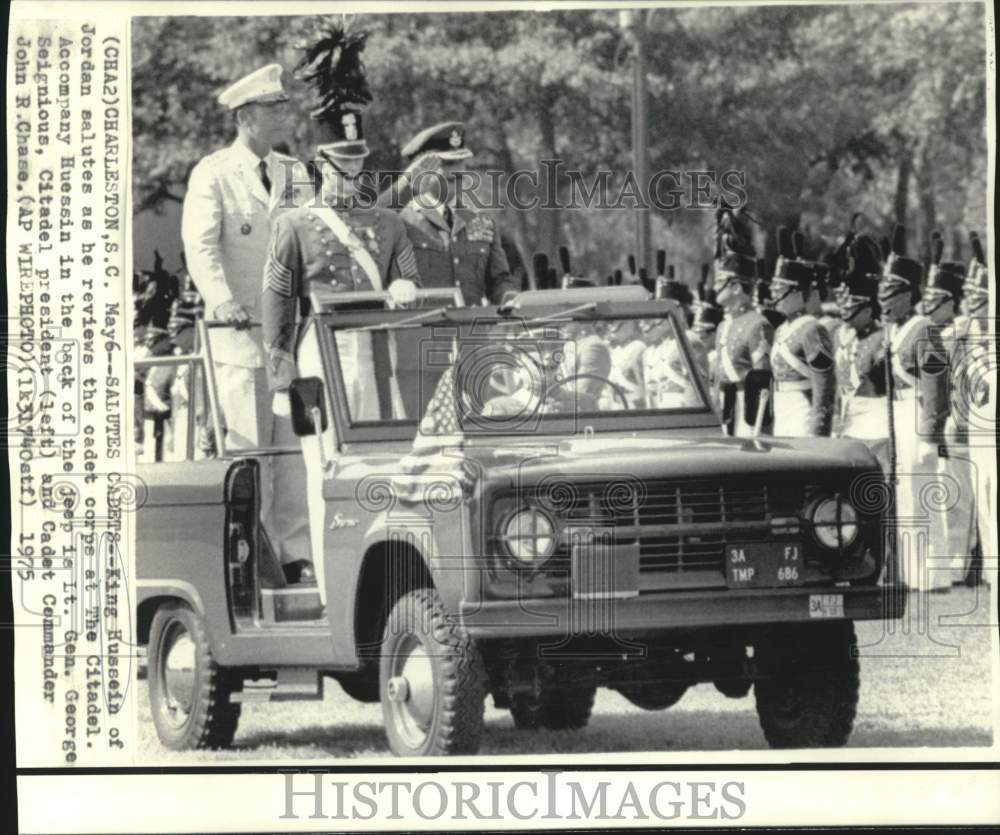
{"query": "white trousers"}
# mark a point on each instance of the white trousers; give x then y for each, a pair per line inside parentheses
(249, 423)
(923, 500)
(791, 414)
(866, 418)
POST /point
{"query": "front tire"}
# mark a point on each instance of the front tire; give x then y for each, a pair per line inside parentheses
(807, 690)
(188, 692)
(432, 680)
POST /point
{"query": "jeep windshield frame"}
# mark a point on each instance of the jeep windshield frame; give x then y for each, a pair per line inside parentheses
(481, 323)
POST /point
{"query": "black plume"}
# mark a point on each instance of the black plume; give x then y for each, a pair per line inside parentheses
(937, 247)
(553, 279)
(661, 261)
(645, 280)
(798, 244)
(761, 267)
(618, 278)
(564, 260)
(885, 248)
(631, 264)
(334, 68)
(899, 239)
(540, 269)
(670, 272)
(977, 247)
(785, 249)
(704, 272)
(732, 231)
(610, 281)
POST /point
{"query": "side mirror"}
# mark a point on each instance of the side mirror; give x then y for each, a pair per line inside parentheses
(308, 408)
(757, 411)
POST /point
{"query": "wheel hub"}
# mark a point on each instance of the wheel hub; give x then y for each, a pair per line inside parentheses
(410, 691)
(179, 671)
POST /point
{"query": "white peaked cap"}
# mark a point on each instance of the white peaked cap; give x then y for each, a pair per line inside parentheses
(263, 86)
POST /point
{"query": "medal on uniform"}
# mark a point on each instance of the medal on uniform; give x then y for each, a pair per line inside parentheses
(245, 229)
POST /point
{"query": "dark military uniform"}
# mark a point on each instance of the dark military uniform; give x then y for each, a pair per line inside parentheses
(305, 250)
(744, 344)
(804, 381)
(467, 255)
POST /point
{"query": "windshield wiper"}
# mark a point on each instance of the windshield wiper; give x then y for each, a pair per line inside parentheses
(409, 322)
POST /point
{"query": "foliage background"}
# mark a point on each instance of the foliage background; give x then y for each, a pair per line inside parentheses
(828, 109)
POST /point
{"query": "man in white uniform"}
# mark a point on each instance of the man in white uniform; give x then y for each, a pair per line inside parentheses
(233, 195)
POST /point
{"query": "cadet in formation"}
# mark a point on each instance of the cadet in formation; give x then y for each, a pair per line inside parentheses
(802, 356)
(951, 542)
(972, 420)
(860, 350)
(745, 335)
(918, 411)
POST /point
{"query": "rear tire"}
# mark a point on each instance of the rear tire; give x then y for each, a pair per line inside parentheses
(188, 692)
(807, 690)
(432, 680)
(557, 709)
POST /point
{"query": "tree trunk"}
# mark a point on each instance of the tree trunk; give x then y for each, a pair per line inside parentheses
(928, 205)
(548, 218)
(903, 173)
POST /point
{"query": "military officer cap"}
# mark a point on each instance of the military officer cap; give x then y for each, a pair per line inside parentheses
(333, 66)
(901, 272)
(446, 140)
(944, 277)
(262, 86)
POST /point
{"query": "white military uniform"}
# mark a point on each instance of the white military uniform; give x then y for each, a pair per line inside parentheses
(226, 228)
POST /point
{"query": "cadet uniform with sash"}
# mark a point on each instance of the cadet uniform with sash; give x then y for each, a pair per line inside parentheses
(861, 396)
(918, 386)
(953, 541)
(344, 248)
(744, 344)
(970, 363)
(801, 360)
(745, 335)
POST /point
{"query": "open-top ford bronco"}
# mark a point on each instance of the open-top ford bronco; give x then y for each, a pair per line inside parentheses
(503, 504)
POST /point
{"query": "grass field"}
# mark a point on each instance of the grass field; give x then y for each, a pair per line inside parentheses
(920, 687)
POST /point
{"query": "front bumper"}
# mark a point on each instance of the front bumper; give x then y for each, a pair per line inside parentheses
(670, 611)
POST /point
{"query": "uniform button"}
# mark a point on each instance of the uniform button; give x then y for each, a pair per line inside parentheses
(329, 252)
(333, 282)
(456, 260)
(333, 269)
(423, 244)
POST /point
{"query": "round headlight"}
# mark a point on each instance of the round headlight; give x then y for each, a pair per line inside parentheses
(835, 523)
(530, 536)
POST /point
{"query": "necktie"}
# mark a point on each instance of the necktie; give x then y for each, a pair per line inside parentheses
(447, 217)
(263, 175)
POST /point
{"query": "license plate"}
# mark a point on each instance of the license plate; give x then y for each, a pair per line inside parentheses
(826, 605)
(756, 565)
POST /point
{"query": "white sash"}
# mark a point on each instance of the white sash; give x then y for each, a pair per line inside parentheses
(896, 342)
(781, 346)
(732, 375)
(359, 252)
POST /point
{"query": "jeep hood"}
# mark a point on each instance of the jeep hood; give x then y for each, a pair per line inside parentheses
(681, 458)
